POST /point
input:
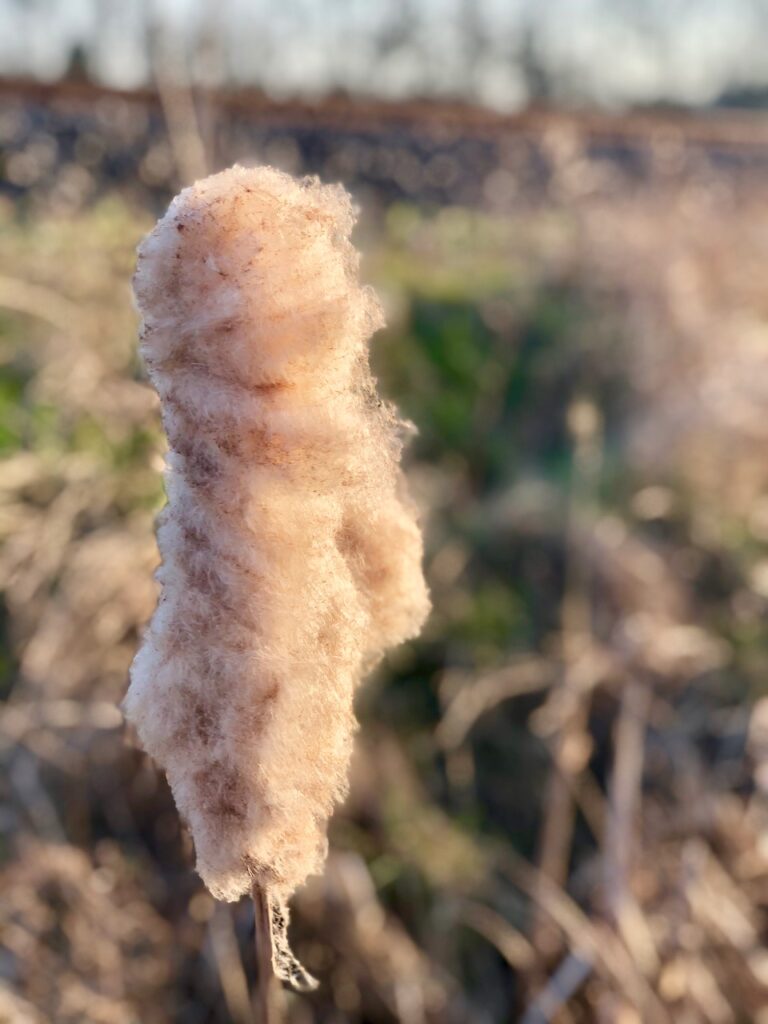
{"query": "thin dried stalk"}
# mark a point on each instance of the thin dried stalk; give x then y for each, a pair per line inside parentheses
(268, 996)
(625, 787)
(576, 686)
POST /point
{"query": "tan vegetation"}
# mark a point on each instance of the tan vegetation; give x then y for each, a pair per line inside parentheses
(558, 804)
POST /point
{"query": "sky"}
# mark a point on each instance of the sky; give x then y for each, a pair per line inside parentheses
(612, 52)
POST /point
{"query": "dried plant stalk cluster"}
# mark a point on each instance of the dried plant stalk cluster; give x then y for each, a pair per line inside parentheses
(291, 554)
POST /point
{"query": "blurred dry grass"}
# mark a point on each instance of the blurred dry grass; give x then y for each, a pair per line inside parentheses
(558, 809)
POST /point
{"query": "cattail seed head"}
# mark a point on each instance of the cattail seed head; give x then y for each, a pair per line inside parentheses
(291, 557)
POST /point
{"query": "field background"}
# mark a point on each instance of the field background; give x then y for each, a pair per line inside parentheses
(558, 807)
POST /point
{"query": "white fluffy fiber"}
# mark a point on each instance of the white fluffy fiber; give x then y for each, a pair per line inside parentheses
(291, 557)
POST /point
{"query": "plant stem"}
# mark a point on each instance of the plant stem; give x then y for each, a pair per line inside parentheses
(267, 1007)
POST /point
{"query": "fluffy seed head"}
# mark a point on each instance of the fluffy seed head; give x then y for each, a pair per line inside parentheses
(291, 557)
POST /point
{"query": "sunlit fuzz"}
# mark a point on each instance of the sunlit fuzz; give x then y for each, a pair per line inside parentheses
(291, 557)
